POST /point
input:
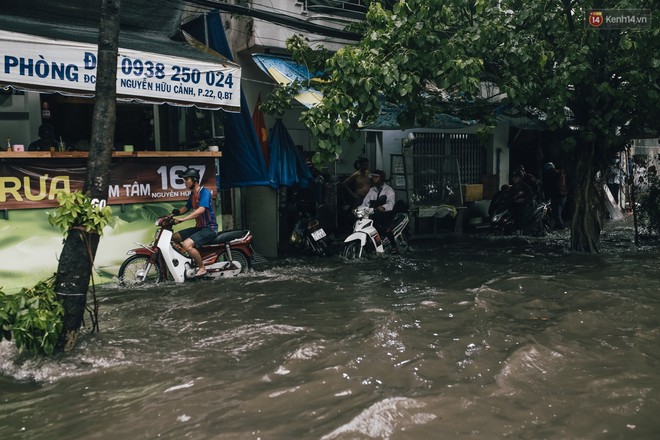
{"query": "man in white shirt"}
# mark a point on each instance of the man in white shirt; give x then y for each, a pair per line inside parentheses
(381, 197)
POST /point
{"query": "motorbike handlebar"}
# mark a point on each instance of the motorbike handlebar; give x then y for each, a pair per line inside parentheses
(363, 212)
(166, 221)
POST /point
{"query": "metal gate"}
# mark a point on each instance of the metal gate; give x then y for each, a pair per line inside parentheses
(467, 148)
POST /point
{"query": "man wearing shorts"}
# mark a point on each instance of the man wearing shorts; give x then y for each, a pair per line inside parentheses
(200, 206)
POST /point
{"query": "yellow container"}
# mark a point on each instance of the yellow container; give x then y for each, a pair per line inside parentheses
(473, 192)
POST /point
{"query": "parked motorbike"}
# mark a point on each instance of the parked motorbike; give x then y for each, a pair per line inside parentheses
(366, 238)
(308, 234)
(536, 223)
(228, 255)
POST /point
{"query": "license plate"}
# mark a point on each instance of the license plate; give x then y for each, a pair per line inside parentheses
(318, 234)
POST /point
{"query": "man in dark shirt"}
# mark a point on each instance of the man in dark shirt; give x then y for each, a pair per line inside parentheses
(554, 188)
(46, 139)
(523, 199)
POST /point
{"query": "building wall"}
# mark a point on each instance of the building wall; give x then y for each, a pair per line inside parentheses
(393, 141)
(499, 149)
(20, 118)
(274, 36)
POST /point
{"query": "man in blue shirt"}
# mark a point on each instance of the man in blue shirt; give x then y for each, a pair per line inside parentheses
(206, 228)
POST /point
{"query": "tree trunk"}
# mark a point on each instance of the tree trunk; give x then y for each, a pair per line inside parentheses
(75, 265)
(587, 216)
(105, 108)
(72, 281)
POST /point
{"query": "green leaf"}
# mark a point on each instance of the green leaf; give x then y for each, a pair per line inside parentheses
(35, 322)
(76, 209)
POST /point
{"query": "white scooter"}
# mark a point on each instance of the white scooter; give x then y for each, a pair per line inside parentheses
(365, 238)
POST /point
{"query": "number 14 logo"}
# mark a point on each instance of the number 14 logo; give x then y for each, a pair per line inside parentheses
(596, 18)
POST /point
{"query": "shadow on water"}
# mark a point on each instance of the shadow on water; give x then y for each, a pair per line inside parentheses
(467, 337)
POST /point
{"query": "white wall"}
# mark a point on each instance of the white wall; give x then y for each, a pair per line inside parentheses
(500, 141)
(392, 143)
(648, 147)
(23, 125)
(274, 35)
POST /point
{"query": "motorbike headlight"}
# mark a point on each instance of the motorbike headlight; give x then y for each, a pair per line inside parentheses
(295, 238)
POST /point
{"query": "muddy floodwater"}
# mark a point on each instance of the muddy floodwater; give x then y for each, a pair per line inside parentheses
(470, 337)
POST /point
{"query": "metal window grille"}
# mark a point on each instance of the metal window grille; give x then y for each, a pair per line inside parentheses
(471, 155)
(439, 163)
(466, 147)
(339, 7)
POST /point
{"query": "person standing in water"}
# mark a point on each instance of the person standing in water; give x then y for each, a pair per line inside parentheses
(358, 183)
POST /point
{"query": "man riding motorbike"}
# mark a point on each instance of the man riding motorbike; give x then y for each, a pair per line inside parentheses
(206, 227)
(381, 197)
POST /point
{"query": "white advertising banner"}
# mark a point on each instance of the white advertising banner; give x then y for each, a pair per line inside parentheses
(36, 63)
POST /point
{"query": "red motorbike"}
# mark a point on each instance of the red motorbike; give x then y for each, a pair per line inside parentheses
(228, 255)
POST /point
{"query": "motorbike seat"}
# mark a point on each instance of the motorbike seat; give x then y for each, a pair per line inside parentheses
(398, 218)
(225, 236)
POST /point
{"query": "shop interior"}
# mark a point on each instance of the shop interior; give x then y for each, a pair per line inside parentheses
(146, 127)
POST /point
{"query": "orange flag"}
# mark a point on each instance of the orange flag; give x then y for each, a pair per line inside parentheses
(260, 127)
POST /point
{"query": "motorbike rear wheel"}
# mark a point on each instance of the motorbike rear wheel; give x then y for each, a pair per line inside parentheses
(403, 243)
(319, 248)
(132, 271)
(239, 257)
(352, 250)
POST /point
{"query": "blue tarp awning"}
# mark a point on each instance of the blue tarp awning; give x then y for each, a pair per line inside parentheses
(285, 71)
(242, 163)
(387, 120)
(287, 164)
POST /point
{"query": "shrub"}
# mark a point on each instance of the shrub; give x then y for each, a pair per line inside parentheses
(32, 318)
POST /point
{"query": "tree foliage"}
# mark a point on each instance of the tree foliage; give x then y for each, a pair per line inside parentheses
(32, 317)
(473, 59)
(78, 210)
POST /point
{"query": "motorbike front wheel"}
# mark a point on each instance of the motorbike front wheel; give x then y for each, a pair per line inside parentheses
(137, 270)
(352, 250)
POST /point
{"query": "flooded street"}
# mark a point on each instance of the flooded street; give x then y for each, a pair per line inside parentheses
(468, 337)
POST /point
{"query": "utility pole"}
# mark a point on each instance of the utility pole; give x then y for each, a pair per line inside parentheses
(76, 262)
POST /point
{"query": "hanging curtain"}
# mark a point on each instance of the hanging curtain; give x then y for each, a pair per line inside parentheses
(260, 127)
